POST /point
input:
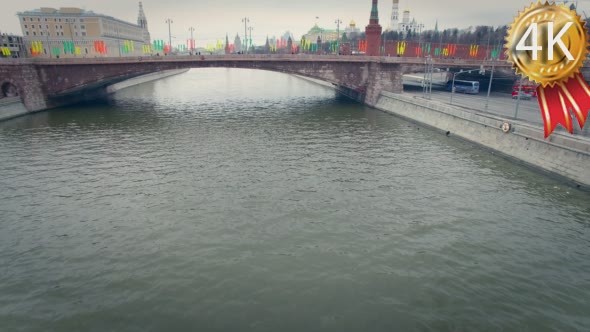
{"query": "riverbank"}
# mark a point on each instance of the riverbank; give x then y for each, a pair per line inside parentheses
(12, 107)
(561, 155)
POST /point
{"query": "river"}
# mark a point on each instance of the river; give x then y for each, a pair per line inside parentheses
(242, 200)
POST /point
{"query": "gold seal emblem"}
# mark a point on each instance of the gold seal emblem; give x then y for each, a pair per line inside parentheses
(547, 43)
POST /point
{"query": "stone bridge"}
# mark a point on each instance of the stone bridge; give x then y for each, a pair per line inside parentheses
(49, 83)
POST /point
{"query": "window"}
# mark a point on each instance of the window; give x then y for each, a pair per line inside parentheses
(39, 26)
(24, 19)
(61, 27)
(26, 27)
(41, 33)
(82, 27)
(38, 19)
(26, 33)
(46, 26)
(45, 19)
(86, 50)
(60, 19)
(76, 34)
(34, 33)
(81, 20)
(31, 19)
(83, 33)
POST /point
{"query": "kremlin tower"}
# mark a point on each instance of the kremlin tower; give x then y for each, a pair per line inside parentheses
(394, 25)
(373, 32)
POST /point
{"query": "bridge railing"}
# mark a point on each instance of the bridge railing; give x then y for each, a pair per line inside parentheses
(256, 57)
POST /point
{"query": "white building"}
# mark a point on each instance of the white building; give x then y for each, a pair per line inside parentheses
(394, 23)
(406, 24)
(75, 32)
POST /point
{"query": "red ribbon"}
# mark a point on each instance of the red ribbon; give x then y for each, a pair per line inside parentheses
(556, 103)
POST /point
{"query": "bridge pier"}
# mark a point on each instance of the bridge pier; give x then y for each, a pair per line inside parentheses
(382, 77)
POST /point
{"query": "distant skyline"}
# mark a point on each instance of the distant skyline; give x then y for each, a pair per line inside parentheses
(212, 19)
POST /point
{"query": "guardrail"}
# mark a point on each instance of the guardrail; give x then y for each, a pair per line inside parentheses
(253, 57)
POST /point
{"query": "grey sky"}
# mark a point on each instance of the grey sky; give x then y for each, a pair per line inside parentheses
(213, 18)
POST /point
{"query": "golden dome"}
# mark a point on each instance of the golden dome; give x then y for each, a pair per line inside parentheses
(352, 23)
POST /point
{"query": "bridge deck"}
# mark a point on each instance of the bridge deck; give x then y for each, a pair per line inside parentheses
(258, 58)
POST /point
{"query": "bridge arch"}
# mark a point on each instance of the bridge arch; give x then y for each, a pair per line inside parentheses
(8, 89)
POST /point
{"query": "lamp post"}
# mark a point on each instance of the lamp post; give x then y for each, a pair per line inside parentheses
(48, 45)
(118, 40)
(428, 76)
(72, 36)
(246, 21)
(490, 86)
(420, 26)
(518, 99)
(488, 45)
(191, 29)
(250, 28)
(169, 21)
(338, 22)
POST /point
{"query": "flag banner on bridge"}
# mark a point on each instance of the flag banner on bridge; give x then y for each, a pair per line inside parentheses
(36, 48)
(100, 47)
(562, 88)
(5, 51)
(69, 47)
(158, 45)
(128, 47)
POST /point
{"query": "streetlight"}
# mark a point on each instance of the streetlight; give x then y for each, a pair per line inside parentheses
(246, 21)
(338, 22)
(47, 37)
(118, 39)
(490, 85)
(169, 21)
(420, 27)
(488, 46)
(191, 29)
(250, 28)
(71, 36)
(428, 76)
(518, 99)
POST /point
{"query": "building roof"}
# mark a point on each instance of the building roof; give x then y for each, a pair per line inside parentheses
(317, 30)
(69, 11)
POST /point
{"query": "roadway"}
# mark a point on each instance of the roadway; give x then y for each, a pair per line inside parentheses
(500, 104)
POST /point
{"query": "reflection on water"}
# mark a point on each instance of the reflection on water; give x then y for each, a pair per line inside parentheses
(224, 200)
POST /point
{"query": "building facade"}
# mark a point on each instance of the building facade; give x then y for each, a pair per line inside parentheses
(74, 32)
(405, 24)
(12, 46)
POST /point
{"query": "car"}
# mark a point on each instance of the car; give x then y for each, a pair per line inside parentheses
(523, 95)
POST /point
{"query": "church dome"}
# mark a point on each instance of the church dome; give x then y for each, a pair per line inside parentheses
(352, 23)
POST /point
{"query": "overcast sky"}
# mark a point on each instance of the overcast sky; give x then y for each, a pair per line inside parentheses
(212, 19)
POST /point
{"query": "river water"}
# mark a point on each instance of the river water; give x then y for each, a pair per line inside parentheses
(238, 200)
